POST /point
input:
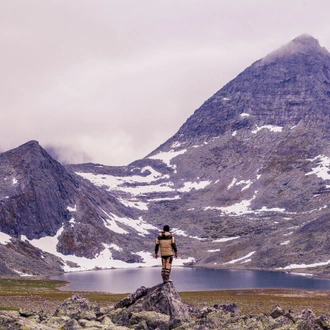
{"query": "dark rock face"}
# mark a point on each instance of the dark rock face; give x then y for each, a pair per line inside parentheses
(260, 145)
(40, 198)
(290, 85)
(36, 193)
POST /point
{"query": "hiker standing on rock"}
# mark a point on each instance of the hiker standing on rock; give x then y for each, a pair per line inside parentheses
(165, 241)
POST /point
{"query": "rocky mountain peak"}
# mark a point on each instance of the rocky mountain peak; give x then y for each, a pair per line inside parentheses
(279, 89)
(30, 157)
(29, 145)
(304, 44)
(32, 148)
(31, 177)
(306, 40)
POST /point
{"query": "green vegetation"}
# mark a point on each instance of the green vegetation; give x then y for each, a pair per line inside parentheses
(38, 293)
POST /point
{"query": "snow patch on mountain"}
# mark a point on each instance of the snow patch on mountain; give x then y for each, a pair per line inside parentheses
(4, 238)
(103, 261)
(72, 209)
(115, 182)
(112, 225)
(322, 168)
(115, 247)
(225, 239)
(21, 273)
(272, 128)
(176, 144)
(242, 259)
(243, 207)
(134, 203)
(188, 186)
(136, 186)
(164, 199)
(166, 157)
(274, 209)
(299, 266)
(142, 227)
(181, 232)
(147, 189)
(234, 182)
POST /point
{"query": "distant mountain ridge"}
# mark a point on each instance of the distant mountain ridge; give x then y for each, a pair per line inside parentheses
(244, 182)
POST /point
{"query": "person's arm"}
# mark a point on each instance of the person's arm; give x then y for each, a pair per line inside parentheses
(174, 248)
(156, 248)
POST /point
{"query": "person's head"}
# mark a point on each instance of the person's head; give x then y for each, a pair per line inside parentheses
(166, 228)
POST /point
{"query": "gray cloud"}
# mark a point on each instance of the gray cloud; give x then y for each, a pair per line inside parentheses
(108, 81)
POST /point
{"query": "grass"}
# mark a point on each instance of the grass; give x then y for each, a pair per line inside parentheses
(254, 301)
(16, 293)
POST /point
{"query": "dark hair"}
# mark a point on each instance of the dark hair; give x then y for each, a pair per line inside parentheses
(166, 228)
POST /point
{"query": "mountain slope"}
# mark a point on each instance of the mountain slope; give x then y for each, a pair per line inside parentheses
(249, 169)
(244, 182)
(45, 208)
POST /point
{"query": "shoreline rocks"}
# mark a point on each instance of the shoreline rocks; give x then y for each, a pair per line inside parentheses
(156, 308)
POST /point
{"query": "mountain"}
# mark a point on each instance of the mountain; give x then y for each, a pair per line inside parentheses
(44, 208)
(244, 183)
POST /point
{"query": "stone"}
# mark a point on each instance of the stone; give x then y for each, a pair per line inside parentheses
(77, 307)
(277, 312)
(136, 312)
(162, 299)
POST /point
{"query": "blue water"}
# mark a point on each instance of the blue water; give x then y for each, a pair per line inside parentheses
(187, 279)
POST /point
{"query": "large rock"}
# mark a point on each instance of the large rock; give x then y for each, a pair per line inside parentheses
(158, 307)
(78, 307)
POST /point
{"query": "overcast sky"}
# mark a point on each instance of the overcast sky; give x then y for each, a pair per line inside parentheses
(108, 81)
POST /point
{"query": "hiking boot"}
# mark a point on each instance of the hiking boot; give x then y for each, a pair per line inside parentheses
(167, 281)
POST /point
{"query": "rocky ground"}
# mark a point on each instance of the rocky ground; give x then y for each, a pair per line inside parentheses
(159, 307)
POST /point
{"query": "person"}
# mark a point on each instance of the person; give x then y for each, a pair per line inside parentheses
(165, 241)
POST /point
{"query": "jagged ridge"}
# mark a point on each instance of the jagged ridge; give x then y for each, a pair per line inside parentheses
(243, 183)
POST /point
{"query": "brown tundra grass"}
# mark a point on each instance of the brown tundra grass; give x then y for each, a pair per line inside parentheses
(44, 294)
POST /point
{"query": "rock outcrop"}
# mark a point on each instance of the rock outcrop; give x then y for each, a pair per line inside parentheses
(161, 305)
(157, 308)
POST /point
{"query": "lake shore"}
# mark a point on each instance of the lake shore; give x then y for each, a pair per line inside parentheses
(190, 279)
(44, 294)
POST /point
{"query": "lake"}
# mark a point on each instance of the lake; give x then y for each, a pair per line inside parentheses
(187, 279)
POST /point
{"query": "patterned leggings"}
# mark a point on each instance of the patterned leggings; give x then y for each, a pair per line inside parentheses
(166, 267)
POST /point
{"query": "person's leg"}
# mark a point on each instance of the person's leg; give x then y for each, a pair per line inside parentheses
(166, 268)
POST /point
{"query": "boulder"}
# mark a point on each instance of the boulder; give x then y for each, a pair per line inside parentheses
(78, 307)
(160, 306)
(157, 308)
